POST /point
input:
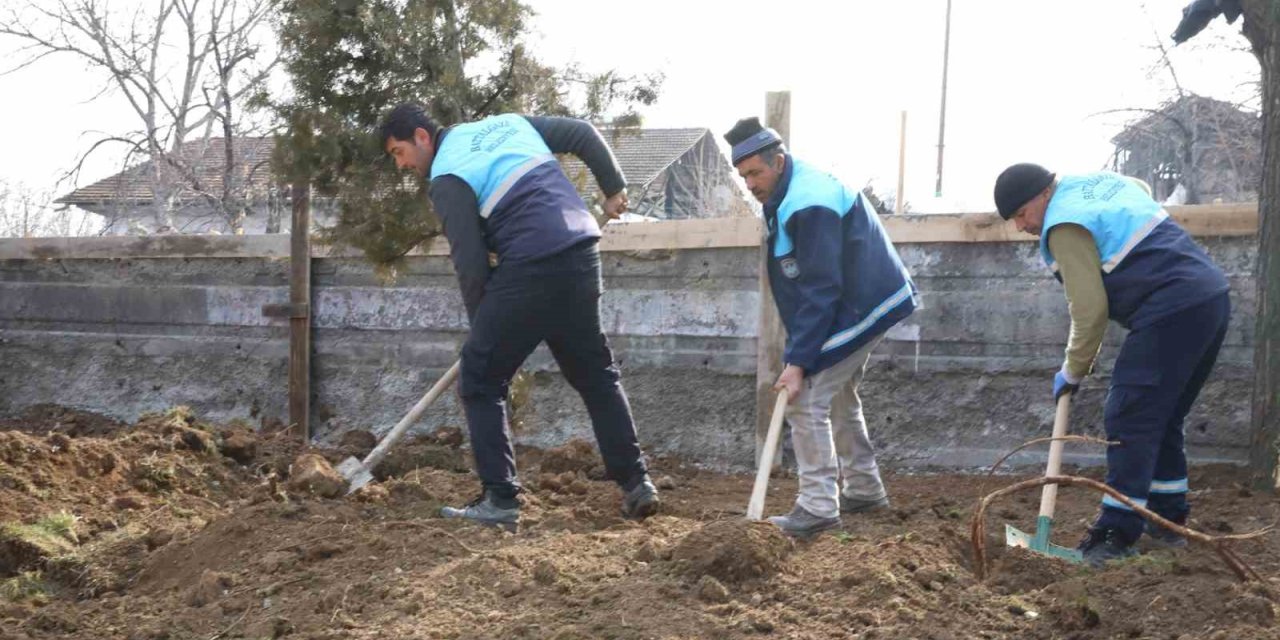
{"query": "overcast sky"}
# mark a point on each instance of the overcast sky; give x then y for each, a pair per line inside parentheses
(1026, 80)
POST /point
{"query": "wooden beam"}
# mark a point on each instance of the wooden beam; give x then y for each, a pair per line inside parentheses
(682, 234)
(707, 233)
(771, 337)
(1217, 219)
(777, 116)
(300, 321)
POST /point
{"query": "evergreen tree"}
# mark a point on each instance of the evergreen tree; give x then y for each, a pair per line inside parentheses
(352, 60)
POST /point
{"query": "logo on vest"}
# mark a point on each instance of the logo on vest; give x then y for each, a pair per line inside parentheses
(790, 268)
(479, 141)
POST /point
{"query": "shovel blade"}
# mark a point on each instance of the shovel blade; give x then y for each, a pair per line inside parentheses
(355, 474)
(1039, 542)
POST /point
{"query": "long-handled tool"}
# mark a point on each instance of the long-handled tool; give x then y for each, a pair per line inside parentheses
(755, 508)
(359, 473)
(1039, 542)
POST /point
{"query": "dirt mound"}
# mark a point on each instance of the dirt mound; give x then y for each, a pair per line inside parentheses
(173, 528)
(732, 551)
(45, 418)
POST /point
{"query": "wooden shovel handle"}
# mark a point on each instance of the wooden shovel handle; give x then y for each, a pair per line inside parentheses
(755, 508)
(380, 451)
(1049, 497)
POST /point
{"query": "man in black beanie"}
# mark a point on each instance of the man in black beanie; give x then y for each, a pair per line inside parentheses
(1119, 255)
(839, 285)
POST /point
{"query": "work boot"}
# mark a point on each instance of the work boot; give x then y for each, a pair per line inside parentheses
(488, 510)
(860, 505)
(1162, 538)
(1101, 546)
(641, 501)
(803, 524)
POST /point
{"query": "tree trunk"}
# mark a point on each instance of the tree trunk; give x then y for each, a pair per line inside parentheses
(1262, 27)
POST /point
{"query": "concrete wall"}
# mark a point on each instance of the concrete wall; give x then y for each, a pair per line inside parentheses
(126, 325)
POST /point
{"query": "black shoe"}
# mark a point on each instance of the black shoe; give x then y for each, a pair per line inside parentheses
(1101, 546)
(485, 510)
(641, 501)
(1162, 538)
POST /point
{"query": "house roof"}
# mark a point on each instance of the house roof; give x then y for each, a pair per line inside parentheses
(642, 153)
(206, 159)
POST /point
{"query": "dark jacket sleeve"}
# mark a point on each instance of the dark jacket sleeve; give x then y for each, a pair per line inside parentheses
(571, 135)
(459, 212)
(817, 233)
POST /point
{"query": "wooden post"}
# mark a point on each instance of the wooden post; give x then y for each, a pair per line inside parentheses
(771, 339)
(300, 318)
(900, 199)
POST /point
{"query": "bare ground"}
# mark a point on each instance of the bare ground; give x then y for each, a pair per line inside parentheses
(183, 530)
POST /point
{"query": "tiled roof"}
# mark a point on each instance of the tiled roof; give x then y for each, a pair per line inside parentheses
(642, 153)
(205, 157)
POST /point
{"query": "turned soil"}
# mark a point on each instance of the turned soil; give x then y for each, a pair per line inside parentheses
(176, 529)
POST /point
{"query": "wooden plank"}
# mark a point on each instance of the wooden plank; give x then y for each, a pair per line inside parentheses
(300, 325)
(1217, 219)
(969, 227)
(682, 234)
(1199, 220)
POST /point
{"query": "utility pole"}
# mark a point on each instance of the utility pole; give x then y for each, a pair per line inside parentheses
(942, 113)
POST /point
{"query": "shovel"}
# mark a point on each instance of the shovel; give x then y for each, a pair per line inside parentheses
(1039, 543)
(358, 473)
(755, 508)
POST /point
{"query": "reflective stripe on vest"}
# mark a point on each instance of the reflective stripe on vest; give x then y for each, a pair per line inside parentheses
(1112, 208)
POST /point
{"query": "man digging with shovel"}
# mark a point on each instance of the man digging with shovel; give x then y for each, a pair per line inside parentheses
(839, 285)
(1119, 255)
(496, 186)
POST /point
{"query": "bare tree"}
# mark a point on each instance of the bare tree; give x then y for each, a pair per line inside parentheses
(185, 68)
(1211, 147)
(27, 213)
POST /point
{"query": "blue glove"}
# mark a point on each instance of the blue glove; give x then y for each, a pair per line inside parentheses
(1061, 385)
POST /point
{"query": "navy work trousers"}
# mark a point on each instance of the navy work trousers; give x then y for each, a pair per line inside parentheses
(1158, 375)
(556, 300)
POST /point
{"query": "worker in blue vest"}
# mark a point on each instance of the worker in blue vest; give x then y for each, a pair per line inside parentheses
(497, 187)
(1120, 256)
(839, 285)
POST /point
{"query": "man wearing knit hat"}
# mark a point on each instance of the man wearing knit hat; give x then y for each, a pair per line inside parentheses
(1119, 255)
(839, 285)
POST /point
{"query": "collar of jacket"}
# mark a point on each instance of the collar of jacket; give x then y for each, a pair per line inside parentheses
(780, 189)
(435, 145)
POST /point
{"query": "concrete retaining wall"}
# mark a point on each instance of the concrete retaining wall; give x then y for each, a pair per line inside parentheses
(124, 325)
